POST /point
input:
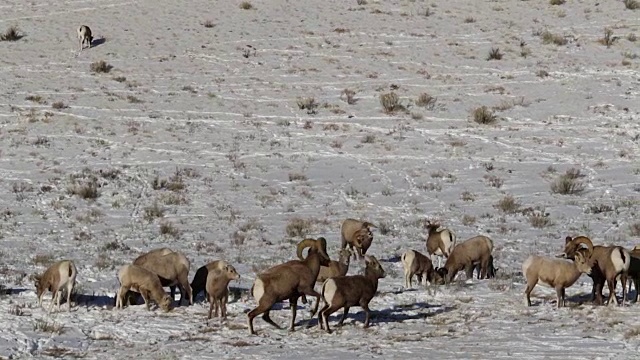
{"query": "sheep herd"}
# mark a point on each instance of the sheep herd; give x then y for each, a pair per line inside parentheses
(295, 279)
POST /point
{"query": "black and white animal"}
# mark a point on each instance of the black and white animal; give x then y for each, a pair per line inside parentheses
(84, 34)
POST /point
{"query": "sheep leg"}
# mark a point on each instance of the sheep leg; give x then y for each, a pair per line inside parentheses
(69, 291)
(211, 302)
(320, 318)
(294, 308)
(468, 269)
(325, 316)
(528, 290)
(185, 288)
(612, 293)
(623, 280)
(53, 299)
(261, 309)
(120, 296)
(560, 297)
(407, 279)
(223, 307)
(344, 316)
(367, 314)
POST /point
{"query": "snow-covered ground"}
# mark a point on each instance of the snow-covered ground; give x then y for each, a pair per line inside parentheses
(196, 133)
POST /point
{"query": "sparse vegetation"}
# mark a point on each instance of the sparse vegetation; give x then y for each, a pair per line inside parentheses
(568, 183)
(551, 38)
(634, 229)
(348, 96)
(557, 2)
(426, 100)
(494, 54)
(167, 228)
(390, 102)
(539, 219)
(297, 177)
(608, 39)
(632, 4)
(482, 115)
(87, 190)
(49, 327)
(59, 105)
(508, 204)
(153, 211)
(298, 227)
(100, 67)
(11, 34)
(245, 5)
(208, 24)
(309, 104)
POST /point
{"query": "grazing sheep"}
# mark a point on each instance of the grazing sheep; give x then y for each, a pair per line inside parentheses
(172, 268)
(59, 276)
(416, 263)
(199, 282)
(440, 241)
(608, 263)
(347, 291)
(143, 281)
(557, 273)
(289, 281)
(356, 234)
(476, 250)
(84, 35)
(218, 289)
(491, 271)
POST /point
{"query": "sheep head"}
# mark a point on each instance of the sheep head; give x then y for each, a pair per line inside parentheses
(165, 303)
(373, 266)
(363, 239)
(231, 271)
(345, 256)
(317, 246)
(582, 263)
(572, 245)
(37, 282)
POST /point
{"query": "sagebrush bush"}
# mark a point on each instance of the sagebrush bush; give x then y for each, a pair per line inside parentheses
(483, 115)
(11, 34)
(390, 102)
(101, 67)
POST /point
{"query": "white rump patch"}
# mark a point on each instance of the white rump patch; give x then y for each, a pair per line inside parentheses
(258, 289)
(525, 266)
(329, 291)
(407, 259)
(618, 264)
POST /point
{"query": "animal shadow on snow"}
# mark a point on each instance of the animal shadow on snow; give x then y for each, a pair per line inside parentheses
(570, 301)
(98, 42)
(390, 315)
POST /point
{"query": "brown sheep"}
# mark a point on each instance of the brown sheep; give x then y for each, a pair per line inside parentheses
(474, 250)
(199, 282)
(143, 281)
(218, 289)
(347, 291)
(172, 268)
(59, 276)
(440, 241)
(356, 234)
(289, 281)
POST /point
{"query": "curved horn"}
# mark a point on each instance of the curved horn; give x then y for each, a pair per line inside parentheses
(303, 245)
(584, 240)
(367, 224)
(321, 245)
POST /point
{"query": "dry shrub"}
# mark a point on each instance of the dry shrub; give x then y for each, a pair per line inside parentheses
(101, 67)
(494, 54)
(390, 102)
(551, 38)
(483, 115)
(426, 100)
(11, 34)
(88, 190)
(307, 103)
(608, 38)
(508, 204)
(634, 229)
(245, 5)
(557, 2)
(539, 220)
(632, 4)
(298, 227)
(348, 95)
(59, 105)
(167, 228)
(568, 183)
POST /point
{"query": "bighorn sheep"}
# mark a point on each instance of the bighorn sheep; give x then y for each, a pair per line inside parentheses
(491, 271)
(356, 234)
(289, 281)
(416, 263)
(172, 268)
(476, 250)
(199, 282)
(557, 273)
(335, 268)
(84, 35)
(634, 270)
(440, 241)
(59, 276)
(347, 291)
(218, 289)
(607, 262)
(143, 281)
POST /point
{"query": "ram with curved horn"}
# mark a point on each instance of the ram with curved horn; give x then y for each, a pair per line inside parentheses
(356, 235)
(289, 281)
(607, 264)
